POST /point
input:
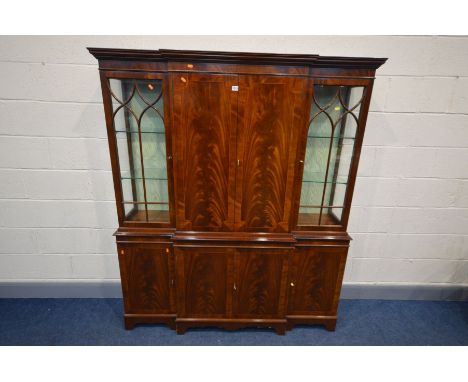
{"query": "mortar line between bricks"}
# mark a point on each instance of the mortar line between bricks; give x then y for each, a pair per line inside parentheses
(14, 136)
(351, 233)
(61, 254)
(113, 201)
(50, 136)
(408, 234)
(96, 66)
(60, 200)
(415, 112)
(50, 101)
(400, 282)
(93, 254)
(430, 76)
(44, 63)
(91, 170)
(110, 172)
(54, 169)
(407, 258)
(100, 104)
(68, 228)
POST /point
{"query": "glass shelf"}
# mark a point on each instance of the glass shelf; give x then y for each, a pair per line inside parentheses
(150, 174)
(323, 182)
(143, 132)
(140, 178)
(329, 137)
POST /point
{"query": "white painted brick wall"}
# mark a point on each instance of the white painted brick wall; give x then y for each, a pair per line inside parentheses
(410, 211)
(51, 119)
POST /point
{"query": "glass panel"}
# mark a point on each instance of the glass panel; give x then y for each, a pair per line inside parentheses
(141, 144)
(330, 145)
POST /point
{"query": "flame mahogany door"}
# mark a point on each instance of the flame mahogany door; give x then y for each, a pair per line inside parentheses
(315, 279)
(260, 276)
(204, 282)
(272, 114)
(204, 117)
(147, 278)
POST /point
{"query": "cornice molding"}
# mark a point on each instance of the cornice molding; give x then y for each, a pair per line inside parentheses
(166, 55)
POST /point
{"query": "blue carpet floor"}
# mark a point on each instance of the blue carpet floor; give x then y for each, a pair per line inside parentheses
(361, 322)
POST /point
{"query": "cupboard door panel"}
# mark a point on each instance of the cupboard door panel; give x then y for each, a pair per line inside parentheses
(271, 116)
(316, 275)
(202, 282)
(146, 278)
(204, 112)
(260, 283)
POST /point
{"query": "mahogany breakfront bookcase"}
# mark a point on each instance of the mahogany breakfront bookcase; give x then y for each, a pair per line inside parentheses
(233, 175)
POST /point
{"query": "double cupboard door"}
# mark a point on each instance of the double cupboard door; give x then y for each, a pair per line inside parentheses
(219, 282)
(235, 145)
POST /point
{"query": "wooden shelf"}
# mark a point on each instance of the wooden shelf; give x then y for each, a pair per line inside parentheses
(313, 219)
(153, 216)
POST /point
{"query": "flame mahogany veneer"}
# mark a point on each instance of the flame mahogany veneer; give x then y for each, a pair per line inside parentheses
(229, 251)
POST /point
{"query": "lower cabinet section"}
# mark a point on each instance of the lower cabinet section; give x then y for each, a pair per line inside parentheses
(192, 286)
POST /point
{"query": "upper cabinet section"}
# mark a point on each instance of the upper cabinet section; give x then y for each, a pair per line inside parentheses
(234, 142)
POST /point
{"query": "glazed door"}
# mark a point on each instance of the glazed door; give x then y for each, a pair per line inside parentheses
(147, 278)
(330, 150)
(271, 116)
(204, 282)
(139, 135)
(204, 117)
(315, 282)
(260, 277)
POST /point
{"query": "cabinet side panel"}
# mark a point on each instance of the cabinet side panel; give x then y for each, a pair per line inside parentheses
(107, 102)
